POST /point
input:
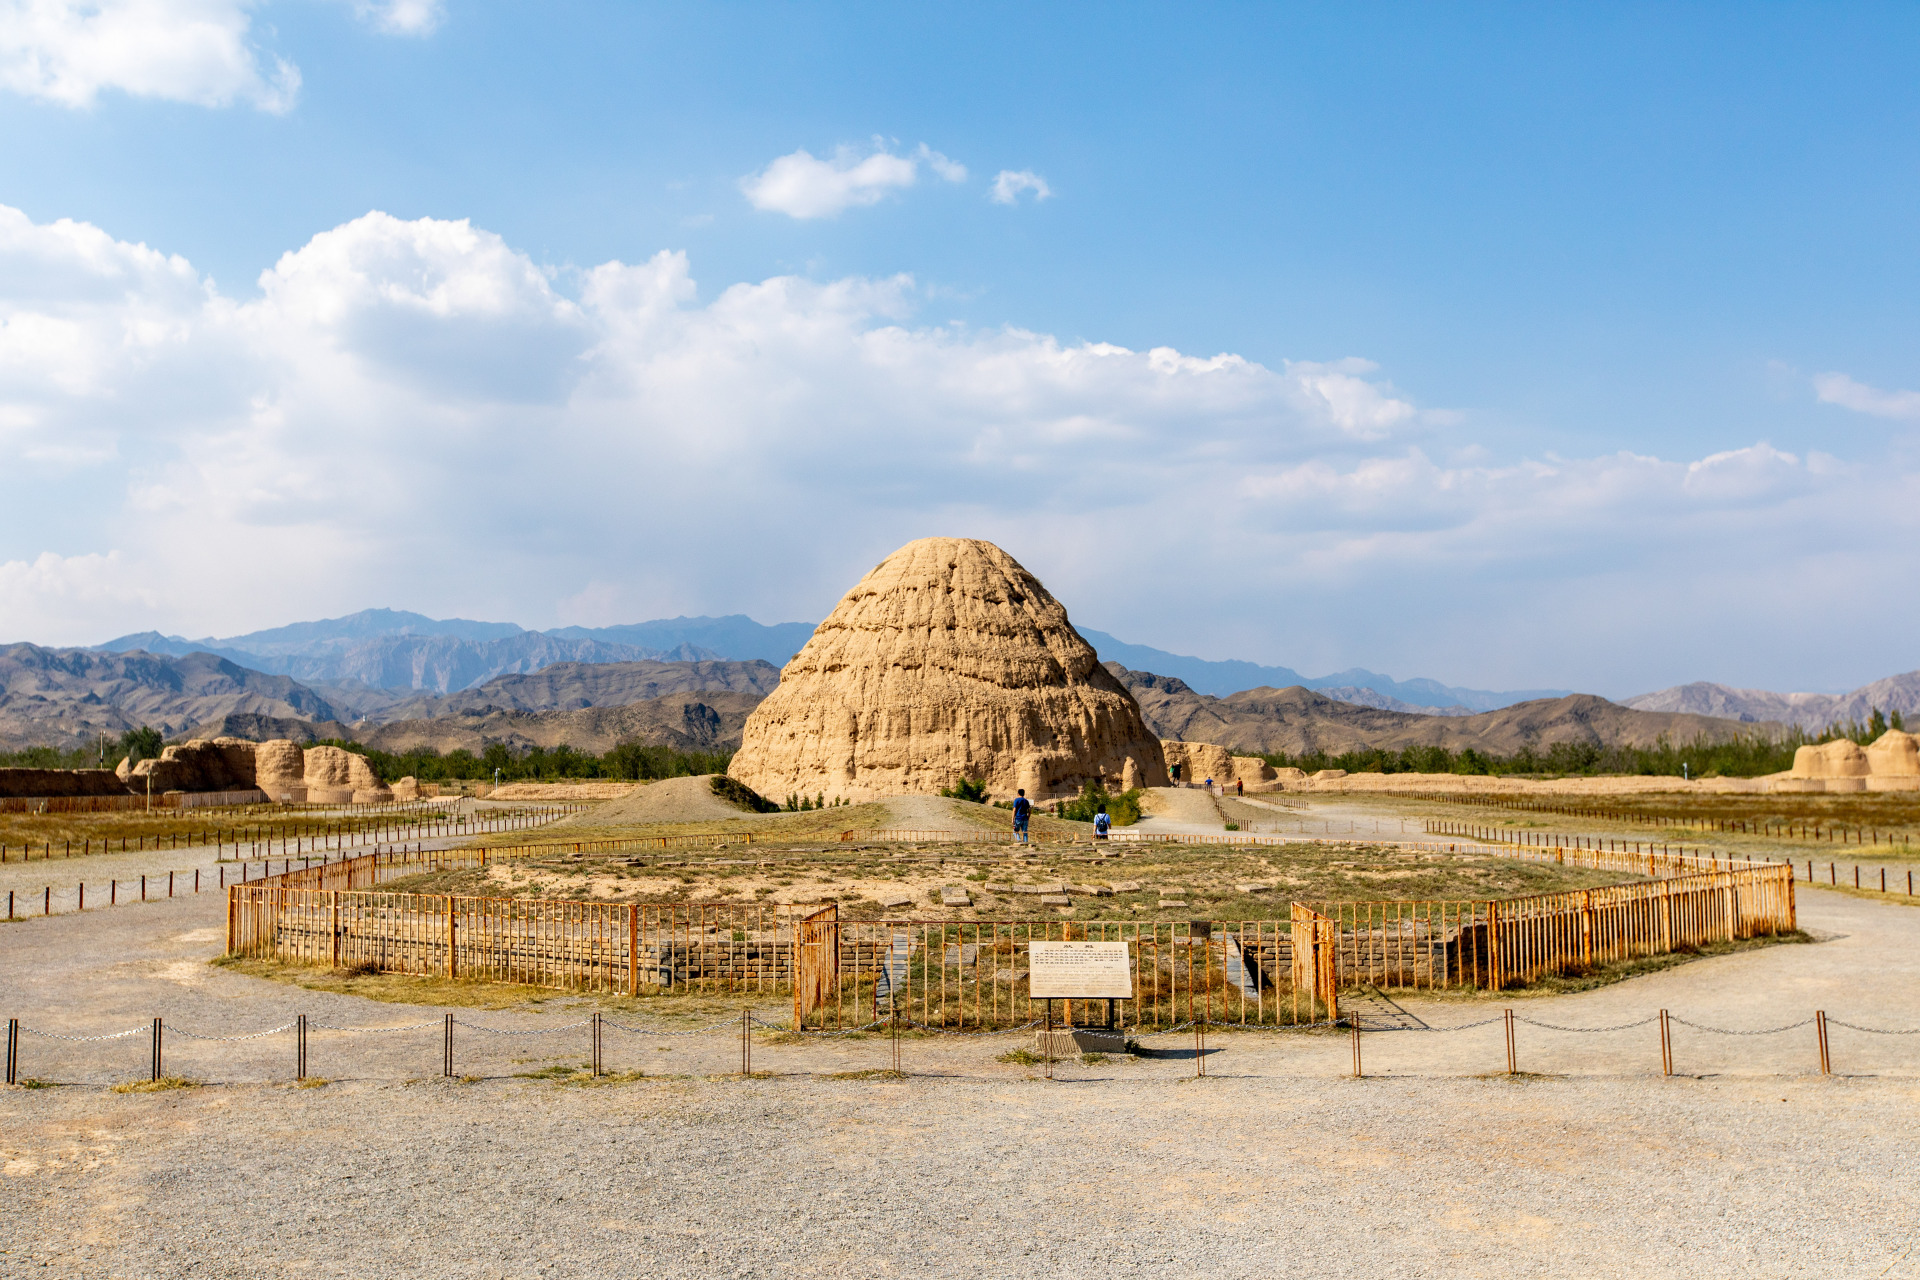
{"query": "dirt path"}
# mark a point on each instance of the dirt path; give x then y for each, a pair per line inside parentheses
(1181, 810)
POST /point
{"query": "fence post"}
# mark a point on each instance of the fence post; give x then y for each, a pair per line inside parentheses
(1666, 1045)
(13, 1051)
(1357, 1073)
(1512, 1069)
(746, 1042)
(1820, 1028)
(156, 1048)
(300, 1047)
(633, 949)
(334, 925)
(596, 1046)
(446, 1066)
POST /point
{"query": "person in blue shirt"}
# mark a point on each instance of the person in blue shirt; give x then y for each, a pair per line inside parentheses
(1022, 810)
(1100, 823)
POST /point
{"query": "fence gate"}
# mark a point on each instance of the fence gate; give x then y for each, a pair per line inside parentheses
(816, 963)
(1316, 960)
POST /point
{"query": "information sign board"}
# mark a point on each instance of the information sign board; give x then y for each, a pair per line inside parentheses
(1079, 971)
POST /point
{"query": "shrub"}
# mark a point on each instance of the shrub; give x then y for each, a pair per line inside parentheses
(1123, 809)
(734, 791)
(974, 792)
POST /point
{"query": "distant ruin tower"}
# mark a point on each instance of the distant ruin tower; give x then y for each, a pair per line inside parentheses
(948, 661)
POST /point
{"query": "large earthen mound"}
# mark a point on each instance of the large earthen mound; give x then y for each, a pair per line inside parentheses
(949, 661)
(669, 800)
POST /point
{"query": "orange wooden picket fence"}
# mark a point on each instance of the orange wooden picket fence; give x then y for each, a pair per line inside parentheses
(971, 973)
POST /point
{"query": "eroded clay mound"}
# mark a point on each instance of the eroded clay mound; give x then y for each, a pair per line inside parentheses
(948, 661)
(669, 800)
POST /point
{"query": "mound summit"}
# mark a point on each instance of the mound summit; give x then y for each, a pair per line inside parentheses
(948, 661)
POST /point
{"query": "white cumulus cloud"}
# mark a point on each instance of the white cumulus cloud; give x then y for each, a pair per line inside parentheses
(401, 17)
(1009, 184)
(416, 412)
(801, 185)
(197, 51)
(1838, 388)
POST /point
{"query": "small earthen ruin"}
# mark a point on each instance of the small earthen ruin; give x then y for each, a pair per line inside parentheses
(1890, 762)
(283, 770)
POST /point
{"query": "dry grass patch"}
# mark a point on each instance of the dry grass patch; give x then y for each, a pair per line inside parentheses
(163, 1085)
(1205, 877)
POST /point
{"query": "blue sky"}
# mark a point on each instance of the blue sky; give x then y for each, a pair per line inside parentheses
(1503, 345)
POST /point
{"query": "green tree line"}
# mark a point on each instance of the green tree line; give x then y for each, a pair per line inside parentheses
(628, 762)
(1746, 756)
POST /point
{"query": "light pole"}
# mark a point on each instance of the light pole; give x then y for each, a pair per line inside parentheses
(496, 779)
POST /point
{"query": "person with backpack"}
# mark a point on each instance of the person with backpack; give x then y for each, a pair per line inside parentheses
(1022, 811)
(1100, 823)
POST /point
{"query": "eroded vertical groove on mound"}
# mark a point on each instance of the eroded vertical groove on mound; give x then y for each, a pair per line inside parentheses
(948, 661)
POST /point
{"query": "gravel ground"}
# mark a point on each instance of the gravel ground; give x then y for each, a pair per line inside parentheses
(1218, 1177)
(1748, 1164)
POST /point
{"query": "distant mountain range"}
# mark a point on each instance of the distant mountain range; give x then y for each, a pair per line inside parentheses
(380, 665)
(1298, 721)
(1219, 679)
(351, 659)
(391, 649)
(68, 697)
(1810, 711)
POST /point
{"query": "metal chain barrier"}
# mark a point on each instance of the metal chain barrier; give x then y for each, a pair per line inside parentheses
(54, 1035)
(847, 1031)
(1624, 1026)
(1727, 1031)
(651, 1031)
(1465, 1026)
(973, 1035)
(513, 1031)
(750, 1019)
(194, 1035)
(1874, 1031)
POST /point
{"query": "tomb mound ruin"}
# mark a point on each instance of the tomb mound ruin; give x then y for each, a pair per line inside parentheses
(949, 661)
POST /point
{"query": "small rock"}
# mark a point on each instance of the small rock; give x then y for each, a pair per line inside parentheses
(1055, 900)
(1253, 888)
(895, 899)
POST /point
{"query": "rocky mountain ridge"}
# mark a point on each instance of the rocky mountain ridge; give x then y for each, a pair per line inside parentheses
(1810, 711)
(1298, 720)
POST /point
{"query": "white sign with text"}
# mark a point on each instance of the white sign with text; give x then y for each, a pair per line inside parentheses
(1079, 971)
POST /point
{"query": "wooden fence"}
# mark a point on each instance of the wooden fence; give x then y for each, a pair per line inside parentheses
(972, 974)
(1755, 825)
(901, 835)
(1499, 943)
(130, 803)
